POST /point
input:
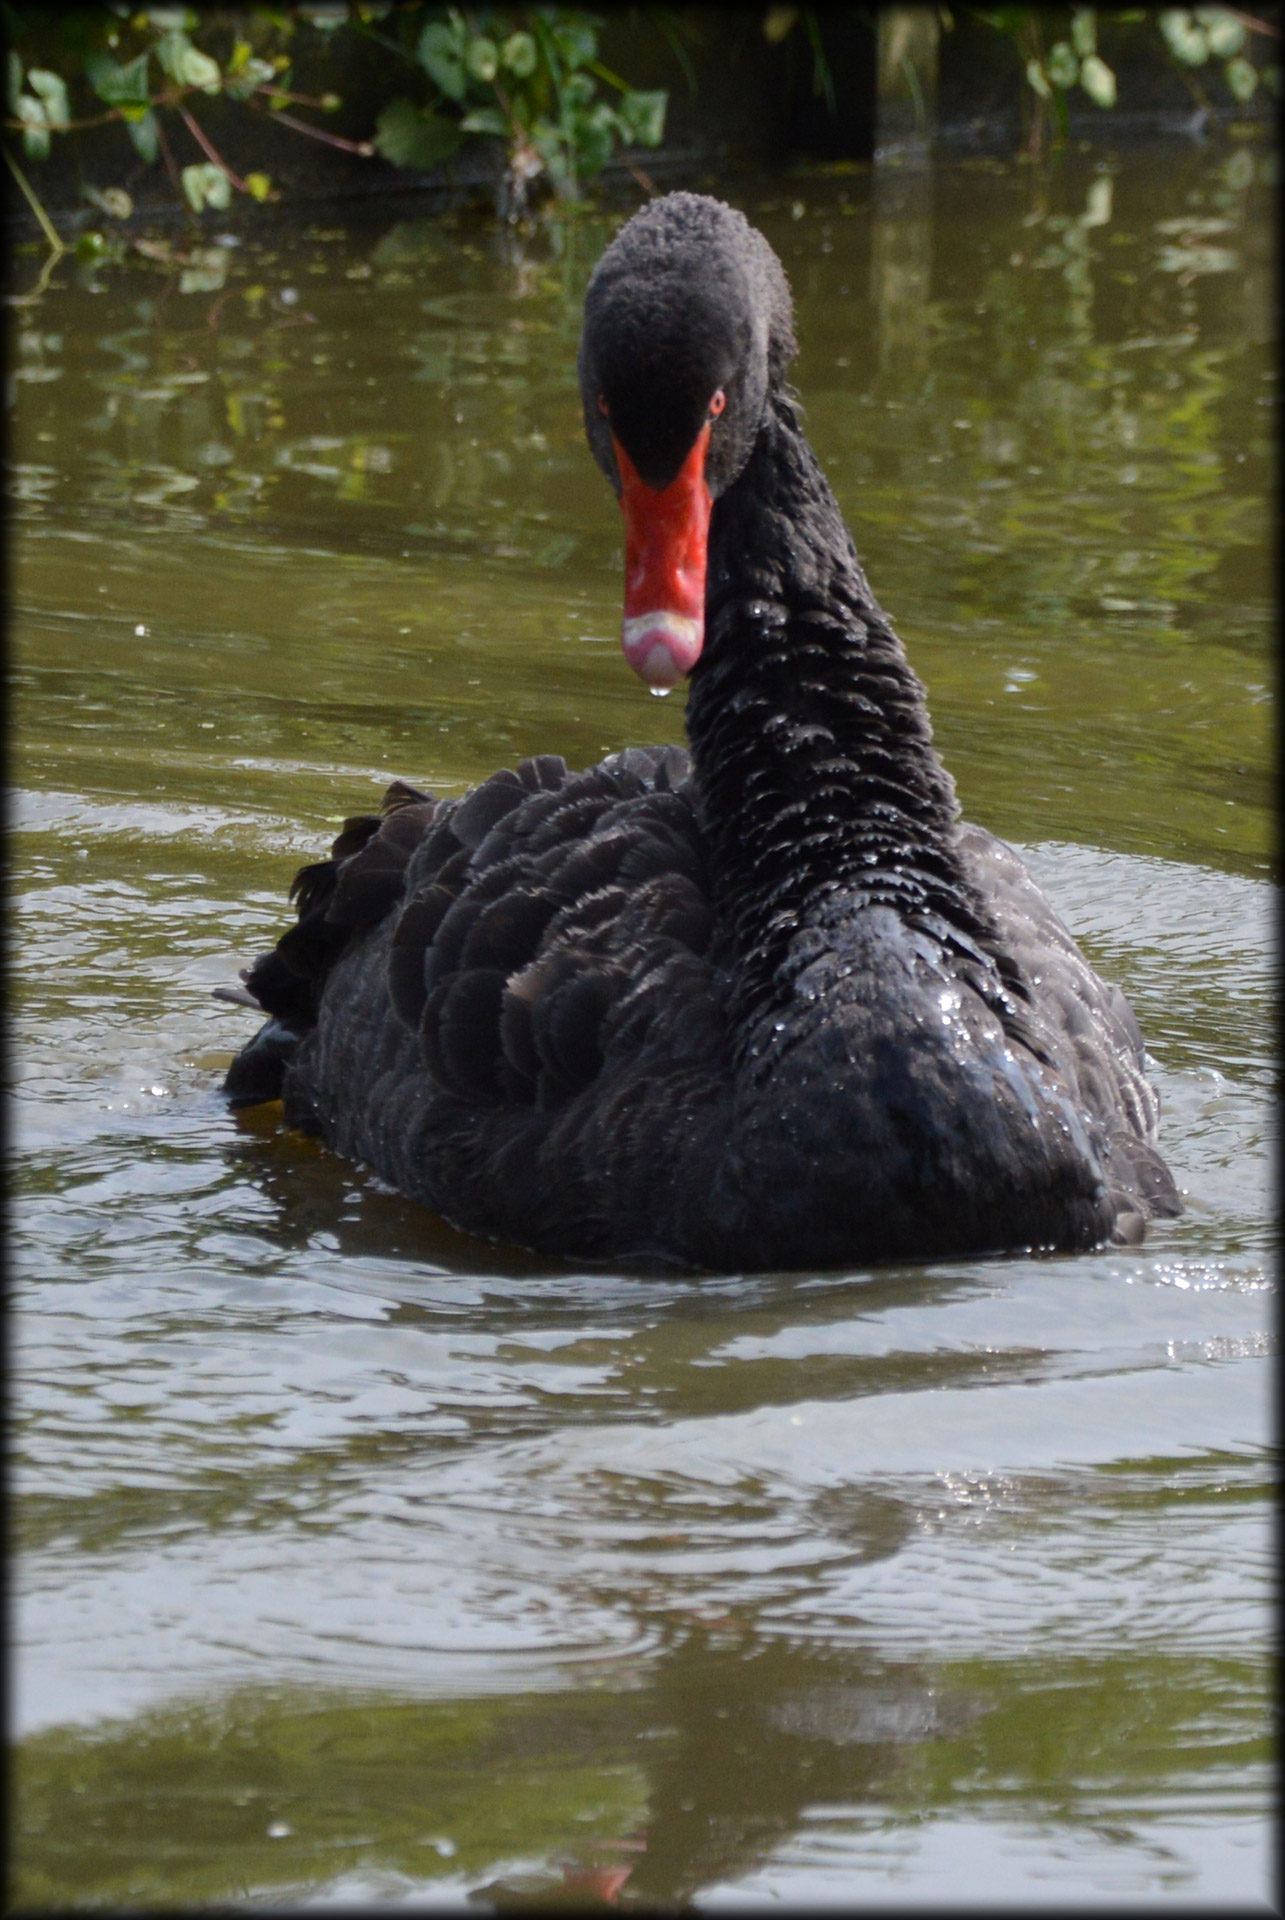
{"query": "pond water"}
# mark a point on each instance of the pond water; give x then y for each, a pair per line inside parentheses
(360, 1561)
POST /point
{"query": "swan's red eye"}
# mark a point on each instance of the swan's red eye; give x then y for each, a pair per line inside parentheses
(717, 404)
(602, 403)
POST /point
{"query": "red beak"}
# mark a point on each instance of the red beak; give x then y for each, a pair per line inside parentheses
(666, 540)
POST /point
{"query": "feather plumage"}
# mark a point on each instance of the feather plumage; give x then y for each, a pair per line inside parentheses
(769, 1005)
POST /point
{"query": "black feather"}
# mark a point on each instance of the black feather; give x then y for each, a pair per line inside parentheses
(460, 1034)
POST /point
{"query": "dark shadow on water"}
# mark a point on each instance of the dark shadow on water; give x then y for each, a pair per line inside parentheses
(314, 1193)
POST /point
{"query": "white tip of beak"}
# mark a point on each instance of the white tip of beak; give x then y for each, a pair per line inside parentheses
(662, 648)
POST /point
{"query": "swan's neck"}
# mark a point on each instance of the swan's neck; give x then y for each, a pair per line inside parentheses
(810, 738)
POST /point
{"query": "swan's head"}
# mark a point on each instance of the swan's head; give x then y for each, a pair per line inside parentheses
(687, 326)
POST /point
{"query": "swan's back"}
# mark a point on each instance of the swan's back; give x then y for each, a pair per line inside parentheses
(508, 1004)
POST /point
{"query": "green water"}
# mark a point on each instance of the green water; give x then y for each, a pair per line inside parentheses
(359, 1561)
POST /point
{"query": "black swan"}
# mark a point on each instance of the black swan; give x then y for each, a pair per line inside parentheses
(770, 1005)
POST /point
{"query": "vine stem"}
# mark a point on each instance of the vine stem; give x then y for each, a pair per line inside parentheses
(294, 99)
(69, 126)
(42, 284)
(207, 146)
(47, 226)
(171, 166)
(171, 97)
(363, 147)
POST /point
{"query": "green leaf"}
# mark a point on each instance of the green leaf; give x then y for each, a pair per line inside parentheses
(519, 54)
(52, 91)
(595, 140)
(141, 128)
(482, 58)
(35, 128)
(1061, 66)
(1098, 81)
(112, 200)
(198, 70)
(578, 90)
(118, 86)
(550, 143)
(203, 279)
(560, 169)
(206, 185)
(170, 49)
(441, 56)
(412, 136)
(186, 64)
(1225, 33)
(242, 81)
(642, 117)
(325, 15)
(1097, 211)
(1242, 78)
(15, 80)
(1084, 31)
(170, 19)
(1226, 37)
(260, 185)
(1036, 79)
(1187, 41)
(485, 120)
(576, 42)
(446, 36)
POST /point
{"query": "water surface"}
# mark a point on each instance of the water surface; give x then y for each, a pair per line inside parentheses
(362, 1561)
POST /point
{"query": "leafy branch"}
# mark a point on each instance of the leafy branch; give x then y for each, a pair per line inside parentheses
(529, 79)
(526, 78)
(1192, 37)
(39, 104)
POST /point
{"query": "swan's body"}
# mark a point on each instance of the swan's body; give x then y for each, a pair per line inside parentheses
(772, 1006)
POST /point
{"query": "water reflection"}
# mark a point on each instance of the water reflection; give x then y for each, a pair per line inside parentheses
(901, 256)
(1104, 331)
(744, 1751)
